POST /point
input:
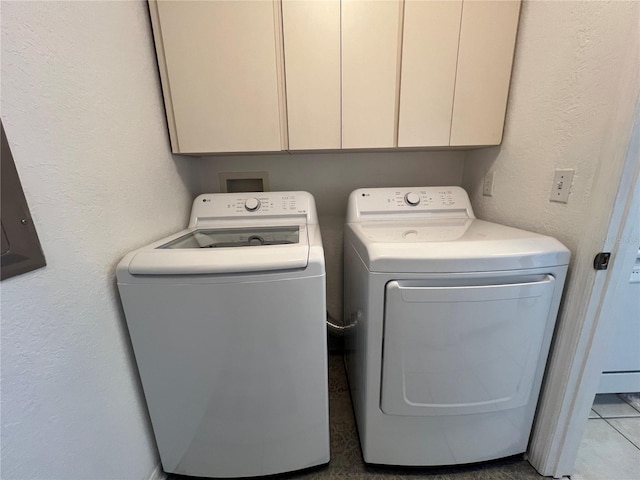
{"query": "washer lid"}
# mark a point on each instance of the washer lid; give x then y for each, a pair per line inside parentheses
(225, 250)
(236, 237)
(451, 245)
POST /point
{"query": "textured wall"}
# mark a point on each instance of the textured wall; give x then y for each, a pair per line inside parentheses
(82, 110)
(331, 177)
(562, 106)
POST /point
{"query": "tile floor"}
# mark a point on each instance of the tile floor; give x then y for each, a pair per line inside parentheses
(610, 448)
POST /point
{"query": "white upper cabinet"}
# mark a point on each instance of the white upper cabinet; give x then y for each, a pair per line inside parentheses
(312, 66)
(485, 56)
(370, 68)
(272, 75)
(456, 68)
(429, 55)
(219, 65)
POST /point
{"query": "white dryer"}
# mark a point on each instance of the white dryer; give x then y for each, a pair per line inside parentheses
(451, 318)
(227, 321)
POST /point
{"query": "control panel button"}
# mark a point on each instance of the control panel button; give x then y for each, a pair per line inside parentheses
(412, 198)
(252, 204)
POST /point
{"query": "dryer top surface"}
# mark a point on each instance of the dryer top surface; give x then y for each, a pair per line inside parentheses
(433, 229)
(454, 245)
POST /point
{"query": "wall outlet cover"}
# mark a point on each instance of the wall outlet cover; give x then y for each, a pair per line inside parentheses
(487, 187)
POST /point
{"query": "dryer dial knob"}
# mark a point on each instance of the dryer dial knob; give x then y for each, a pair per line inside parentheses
(412, 199)
(252, 204)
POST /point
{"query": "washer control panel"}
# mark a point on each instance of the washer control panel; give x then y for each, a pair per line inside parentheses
(412, 198)
(253, 205)
(389, 202)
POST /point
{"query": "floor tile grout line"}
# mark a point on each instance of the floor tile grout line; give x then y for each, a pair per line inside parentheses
(622, 434)
(619, 416)
(628, 402)
(622, 401)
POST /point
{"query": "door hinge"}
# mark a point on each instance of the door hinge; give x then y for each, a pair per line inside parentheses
(601, 261)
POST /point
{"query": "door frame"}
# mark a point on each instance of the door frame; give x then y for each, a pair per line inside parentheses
(583, 335)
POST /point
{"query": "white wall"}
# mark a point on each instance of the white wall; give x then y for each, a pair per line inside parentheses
(564, 96)
(573, 94)
(83, 114)
(330, 178)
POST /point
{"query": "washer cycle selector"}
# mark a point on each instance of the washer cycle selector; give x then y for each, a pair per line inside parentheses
(252, 204)
(412, 198)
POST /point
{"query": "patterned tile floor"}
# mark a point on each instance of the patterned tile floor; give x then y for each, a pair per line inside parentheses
(610, 447)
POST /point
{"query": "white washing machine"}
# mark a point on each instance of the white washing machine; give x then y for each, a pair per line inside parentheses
(451, 318)
(227, 321)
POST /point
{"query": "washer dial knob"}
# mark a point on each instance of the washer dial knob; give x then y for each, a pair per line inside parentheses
(252, 204)
(412, 199)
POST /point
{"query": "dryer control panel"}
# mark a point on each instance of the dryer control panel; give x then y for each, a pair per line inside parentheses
(387, 203)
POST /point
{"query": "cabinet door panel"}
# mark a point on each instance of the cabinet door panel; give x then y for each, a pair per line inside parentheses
(222, 74)
(370, 70)
(312, 67)
(429, 54)
(485, 57)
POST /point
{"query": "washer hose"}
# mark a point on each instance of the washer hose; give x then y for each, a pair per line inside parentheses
(337, 329)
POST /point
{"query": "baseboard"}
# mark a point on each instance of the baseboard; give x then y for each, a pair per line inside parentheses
(158, 473)
(621, 382)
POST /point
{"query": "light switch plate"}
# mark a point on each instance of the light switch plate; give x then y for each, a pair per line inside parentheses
(561, 185)
(487, 187)
(635, 273)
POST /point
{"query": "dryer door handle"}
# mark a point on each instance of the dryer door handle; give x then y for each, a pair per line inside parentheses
(488, 292)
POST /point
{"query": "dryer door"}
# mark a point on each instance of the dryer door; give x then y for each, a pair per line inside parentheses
(459, 349)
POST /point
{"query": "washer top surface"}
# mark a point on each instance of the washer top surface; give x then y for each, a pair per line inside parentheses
(436, 231)
(236, 233)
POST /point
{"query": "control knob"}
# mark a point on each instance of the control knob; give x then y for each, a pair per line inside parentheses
(252, 204)
(412, 199)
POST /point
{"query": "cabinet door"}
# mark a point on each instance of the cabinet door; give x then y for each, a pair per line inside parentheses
(311, 31)
(429, 53)
(485, 56)
(370, 70)
(219, 63)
